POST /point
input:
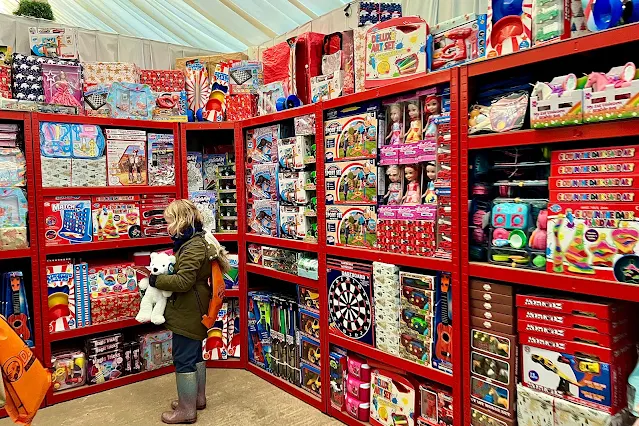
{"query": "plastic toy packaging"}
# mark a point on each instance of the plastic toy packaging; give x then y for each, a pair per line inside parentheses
(13, 167)
(549, 21)
(131, 101)
(62, 84)
(268, 95)
(63, 140)
(456, 41)
(505, 114)
(69, 369)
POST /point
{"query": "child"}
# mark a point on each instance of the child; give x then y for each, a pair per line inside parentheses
(189, 302)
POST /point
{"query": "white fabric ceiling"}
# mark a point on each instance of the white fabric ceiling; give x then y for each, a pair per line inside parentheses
(218, 25)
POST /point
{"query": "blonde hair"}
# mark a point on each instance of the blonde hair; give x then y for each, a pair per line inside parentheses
(182, 215)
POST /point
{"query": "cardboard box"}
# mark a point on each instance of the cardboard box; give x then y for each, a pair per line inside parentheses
(351, 182)
(487, 296)
(476, 284)
(126, 162)
(604, 311)
(493, 307)
(351, 226)
(67, 220)
(563, 109)
(564, 320)
(116, 216)
(482, 417)
(611, 103)
(615, 341)
(501, 327)
(352, 133)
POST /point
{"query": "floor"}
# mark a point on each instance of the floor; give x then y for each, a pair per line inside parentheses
(235, 397)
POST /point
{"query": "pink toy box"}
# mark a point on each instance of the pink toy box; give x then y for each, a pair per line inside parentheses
(393, 399)
(357, 367)
(357, 388)
(509, 29)
(611, 102)
(116, 216)
(396, 50)
(61, 299)
(357, 409)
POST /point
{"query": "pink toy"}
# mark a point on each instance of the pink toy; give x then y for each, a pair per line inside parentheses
(538, 236)
(357, 367)
(357, 408)
(395, 134)
(62, 84)
(358, 389)
(598, 81)
(412, 196)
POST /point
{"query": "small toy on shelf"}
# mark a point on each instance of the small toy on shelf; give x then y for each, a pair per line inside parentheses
(551, 20)
(69, 369)
(198, 89)
(611, 96)
(156, 349)
(509, 27)
(393, 399)
(16, 308)
(13, 219)
(505, 114)
(154, 300)
(396, 50)
(311, 379)
(337, 364)
(161, 165)
(457, 41)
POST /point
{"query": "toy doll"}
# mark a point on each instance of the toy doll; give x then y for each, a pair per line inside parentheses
(412, 196)
(431, 174)
(395, 134)
(432, 109)
(63, 94)
(415, 130)
(394, 194)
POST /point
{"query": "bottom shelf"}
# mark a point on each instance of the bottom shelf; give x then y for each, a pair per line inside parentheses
(224, 363)
(67, 395)
(344, 417)
(290, 388)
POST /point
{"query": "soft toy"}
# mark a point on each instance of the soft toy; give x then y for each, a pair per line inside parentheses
(154, 300)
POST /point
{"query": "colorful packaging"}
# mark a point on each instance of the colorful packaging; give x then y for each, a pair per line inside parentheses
(351, 182)
(61, 299)
(126, 162)
(352, 133)
(67, 220)
(116, 216)
(161, 165)
(392, 393)
(353, 226)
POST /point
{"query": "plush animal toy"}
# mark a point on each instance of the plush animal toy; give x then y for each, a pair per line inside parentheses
(154, 300)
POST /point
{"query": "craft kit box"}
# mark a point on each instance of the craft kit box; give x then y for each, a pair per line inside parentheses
(61, 296)
(396, 50)
(585, 374)
(594, 240)
(354, 226)
(353, 132)
(161, 165)
(351, 182)
(116, 216)
(67, 220)
(393, 400)
(156, 349)
(126, 162)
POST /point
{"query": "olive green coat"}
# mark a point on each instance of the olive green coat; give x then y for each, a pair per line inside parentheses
(183, 313)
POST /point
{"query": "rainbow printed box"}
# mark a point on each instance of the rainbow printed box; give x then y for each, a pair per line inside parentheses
(612, 103)
(565, 109)
(594, 240)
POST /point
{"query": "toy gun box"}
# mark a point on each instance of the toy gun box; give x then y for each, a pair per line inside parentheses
(585, 374)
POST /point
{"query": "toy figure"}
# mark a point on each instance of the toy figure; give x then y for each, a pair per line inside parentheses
(63, 94)
(432, 108)
(431, 174)
(411, 172)
(415, 131)
(393, 195)
(395, 134)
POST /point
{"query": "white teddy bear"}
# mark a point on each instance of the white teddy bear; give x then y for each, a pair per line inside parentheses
(154, 300)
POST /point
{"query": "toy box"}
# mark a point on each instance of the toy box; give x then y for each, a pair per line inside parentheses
(358, 367)
(457, 41)
(350, 298)
(206, 203)
(293, 222)
(615, 341)
(132, 101)
(263, 217)
(194, 171)
(161, 167)
(245, 77)
(415, 348)
(611, 102)
(85, 172)
(13, 221)
(69, 369)
(509, 28)
(557, 109)
(116, 216)
(104, 367)
(126, 162)
(351, 182)
(156, 349)
(396, 50)
(108, 278)
(578, 372)
(215, 346)
(288, 184)
(234, 336)
(354, 226)
(357, 409)
(293, 153)
(308, 298)
(551, 20)
(358, 388)
(327, 87)
(83, 302)
(352, 132)
(311, 379)
(259, 340)
(263, 182)
(443, 332)
(594, 240)
(480, 417)
(393, 399)
(211, 164)
(61, 299)
(417, 292)
(436, 406)
(310, 351)
(13, 167)
(387, 307)
(337, 364)
(153, 222)
(169, 106)
(574, 321)
(261, 144)
(67, 220)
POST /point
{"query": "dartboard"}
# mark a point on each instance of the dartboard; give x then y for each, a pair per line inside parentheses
(349, 307)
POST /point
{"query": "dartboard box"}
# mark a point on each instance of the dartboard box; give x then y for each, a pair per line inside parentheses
(350, 299)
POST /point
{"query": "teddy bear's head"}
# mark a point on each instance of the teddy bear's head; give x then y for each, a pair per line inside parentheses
(162, 263)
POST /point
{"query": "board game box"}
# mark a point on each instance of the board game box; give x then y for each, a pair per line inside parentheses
(116, 216)
(126, 162)
(67, 220)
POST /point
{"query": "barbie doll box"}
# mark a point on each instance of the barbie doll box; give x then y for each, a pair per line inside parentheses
(126, 161)
(594, 240)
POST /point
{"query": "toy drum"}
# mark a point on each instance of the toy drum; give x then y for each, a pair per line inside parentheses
(358, 368)
(357, 388)
(357, 409)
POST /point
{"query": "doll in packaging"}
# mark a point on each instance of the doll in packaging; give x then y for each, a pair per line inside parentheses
(394, 137)
(429, 182)
(414, 133)
(432, 109)
(413, 192)
(393, 196)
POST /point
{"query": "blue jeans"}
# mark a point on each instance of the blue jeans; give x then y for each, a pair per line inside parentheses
(186, 353)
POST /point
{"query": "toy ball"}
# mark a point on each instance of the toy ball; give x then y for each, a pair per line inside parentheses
(217, 95)
(602, 14)
(280, 104)
(58, 299)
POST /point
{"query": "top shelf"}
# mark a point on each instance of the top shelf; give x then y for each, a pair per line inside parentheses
(287, 114)
(582, 132)
(209, 125)
(109, 190)
(571, 46)
(14, 115)
(105, 121)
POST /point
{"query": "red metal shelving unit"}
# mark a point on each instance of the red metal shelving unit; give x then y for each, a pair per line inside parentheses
(281, 242)
(282, 276)
(239, 293)
(46, 251)
(287, 387)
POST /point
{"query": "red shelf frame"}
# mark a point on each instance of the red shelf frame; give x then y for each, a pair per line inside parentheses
(423, 371)
(109, 190)
(231, 363)
(107, 245)
(93, 329)
(344, 417)
(421, 262)
(282, 276)
(86, 390)
(287, 387)
(23, 119)
(281, 242)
